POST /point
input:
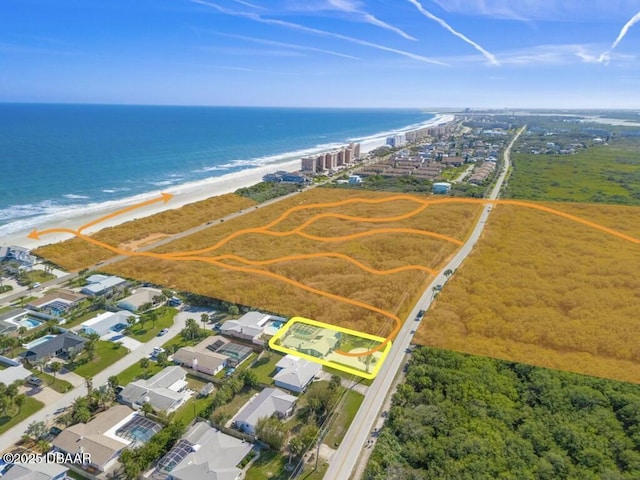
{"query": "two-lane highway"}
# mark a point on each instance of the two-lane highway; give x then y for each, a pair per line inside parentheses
(351, 448)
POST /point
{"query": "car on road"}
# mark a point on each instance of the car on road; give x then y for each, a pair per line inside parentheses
(162, 332)
(437, 288)
(60, 410)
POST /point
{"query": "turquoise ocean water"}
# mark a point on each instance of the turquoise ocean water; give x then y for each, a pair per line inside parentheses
(54, 158)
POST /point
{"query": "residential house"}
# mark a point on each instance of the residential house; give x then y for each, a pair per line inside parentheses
(107, 322)
(165, 391)
(250, 326)
(203, 357)
(13, 372)
(36, 471)
(204, 453)
(58, 346)
(315, 341)
(97, 438)
(295, 373)
(140, 297)
(263, 405)
(56, 303)
(103, 285)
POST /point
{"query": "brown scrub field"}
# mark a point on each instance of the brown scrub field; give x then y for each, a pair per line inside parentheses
(336, 259)
(76, 254)
(543, 290)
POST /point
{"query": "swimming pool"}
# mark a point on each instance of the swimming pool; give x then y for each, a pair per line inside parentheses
(29, 323)
(38, 341)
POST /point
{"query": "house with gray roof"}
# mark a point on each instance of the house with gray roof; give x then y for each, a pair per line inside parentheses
(295, 373)
(35, 471)
(97, 438)
(268, 402)
(139, 297)
(204, 453)
(58, 346)
(165, 391)
(14, 371)
(248, 327)
(103, 285)
(203, 357)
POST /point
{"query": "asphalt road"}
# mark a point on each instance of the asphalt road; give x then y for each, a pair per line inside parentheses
(352, 446)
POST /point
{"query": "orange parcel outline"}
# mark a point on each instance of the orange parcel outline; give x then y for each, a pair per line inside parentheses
(217, 260)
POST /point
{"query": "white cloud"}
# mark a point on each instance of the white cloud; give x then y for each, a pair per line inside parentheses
(546, 10)
(287, 45)
(488, 55)
(351, 7)
(296, 26)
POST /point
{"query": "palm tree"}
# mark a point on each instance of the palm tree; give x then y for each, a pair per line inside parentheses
(43, 445)
(144, 364)
(204, 318)
(153, 316)
(131, 320)
(146, 408)
(55, 367)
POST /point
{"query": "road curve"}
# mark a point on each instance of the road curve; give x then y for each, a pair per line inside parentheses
(346, 457)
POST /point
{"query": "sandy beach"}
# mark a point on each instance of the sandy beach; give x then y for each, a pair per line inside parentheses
(183, 194)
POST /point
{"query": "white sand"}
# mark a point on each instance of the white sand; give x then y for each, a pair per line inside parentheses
(184, 194)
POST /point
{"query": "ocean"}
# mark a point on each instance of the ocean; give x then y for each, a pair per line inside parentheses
(60, 158)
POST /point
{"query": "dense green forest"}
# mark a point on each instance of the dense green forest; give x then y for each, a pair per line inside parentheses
(459, 416)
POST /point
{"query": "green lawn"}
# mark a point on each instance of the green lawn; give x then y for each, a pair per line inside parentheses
(270, 466)
(22, 301)
(179, 342)
(107, 353)
(135, 372)
(347, 376)
(29, 408)
(38, 276)
(343, 420)
(60, 386)
(149, 330)
(192, 408)
(266, 367)
(231, 408)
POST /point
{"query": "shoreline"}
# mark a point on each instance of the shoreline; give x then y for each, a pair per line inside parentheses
(183, 194)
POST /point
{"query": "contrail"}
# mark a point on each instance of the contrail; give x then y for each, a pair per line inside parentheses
(623, 32)
(488, 55)
(349, 7)
(297, 26)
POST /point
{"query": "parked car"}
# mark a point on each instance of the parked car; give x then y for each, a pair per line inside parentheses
(162, 332)
(35, 381)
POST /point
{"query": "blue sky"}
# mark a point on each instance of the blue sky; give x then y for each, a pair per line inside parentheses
(338, 53)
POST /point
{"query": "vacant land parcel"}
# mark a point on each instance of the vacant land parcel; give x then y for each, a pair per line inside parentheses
(75, 254)
(307, 262)
(542, 289)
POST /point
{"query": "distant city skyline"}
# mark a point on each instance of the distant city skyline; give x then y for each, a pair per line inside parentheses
(323, 53)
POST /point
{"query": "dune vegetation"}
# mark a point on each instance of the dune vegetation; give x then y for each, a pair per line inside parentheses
(600, 174)
(76, 254)
(544, 290)
(394, 292)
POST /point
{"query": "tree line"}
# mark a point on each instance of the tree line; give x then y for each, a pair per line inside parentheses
(467, 417)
